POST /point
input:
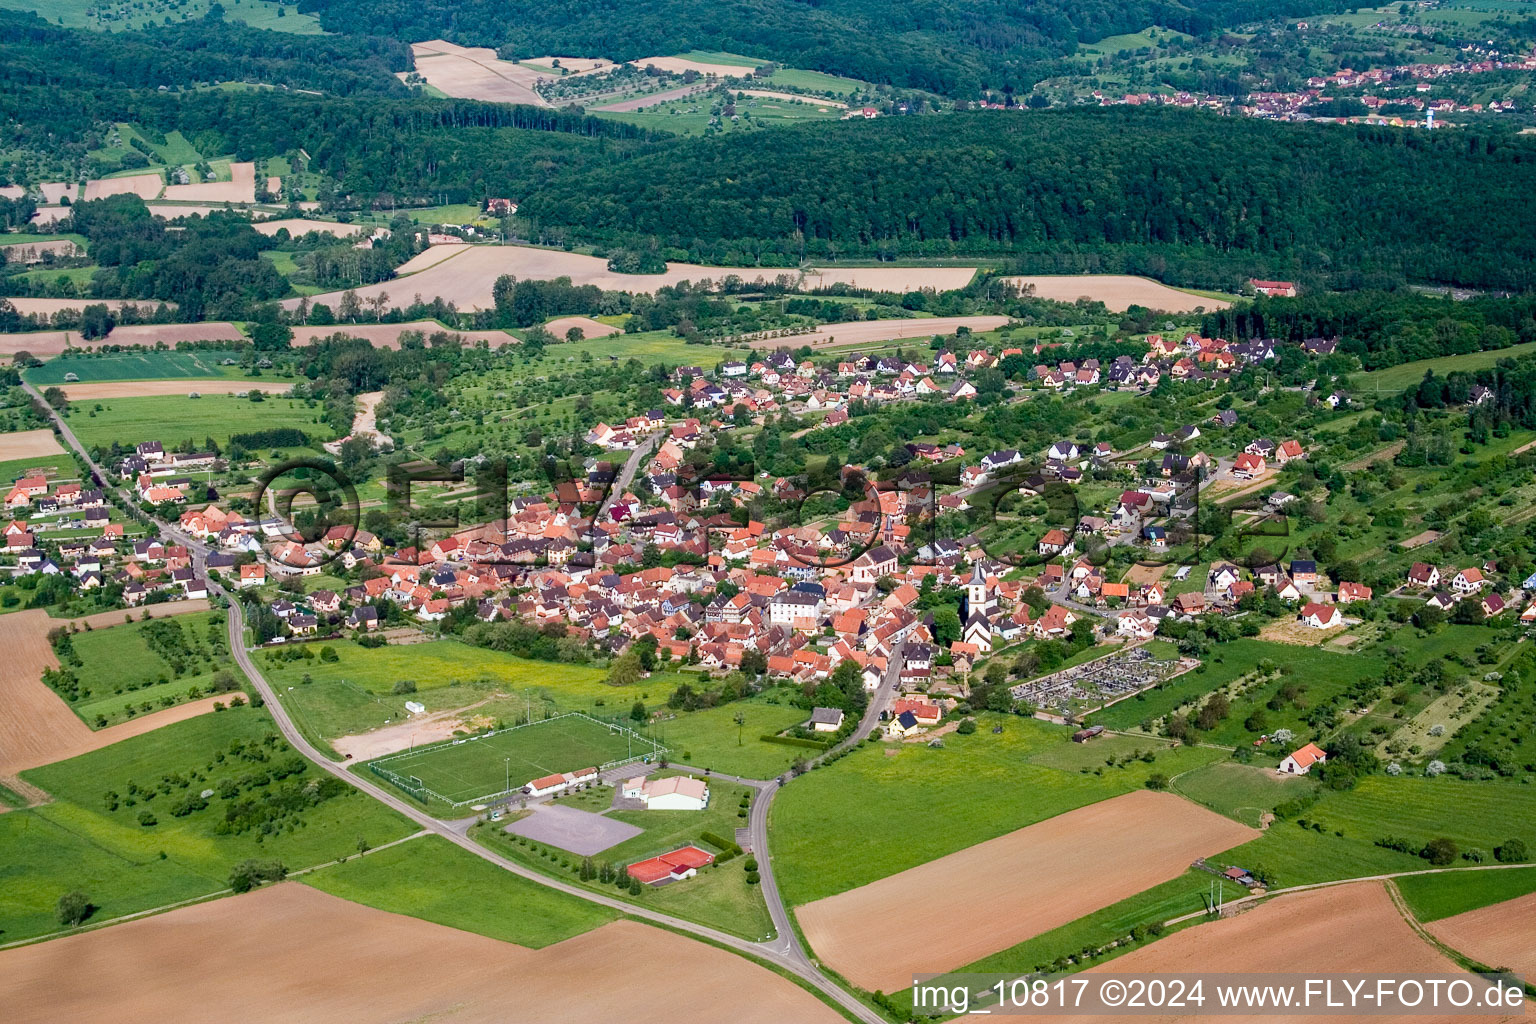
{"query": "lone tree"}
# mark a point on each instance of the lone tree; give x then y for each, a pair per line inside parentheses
(73, 908)
(740, 719)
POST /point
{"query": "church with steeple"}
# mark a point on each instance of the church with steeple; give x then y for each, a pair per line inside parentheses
(980, 606)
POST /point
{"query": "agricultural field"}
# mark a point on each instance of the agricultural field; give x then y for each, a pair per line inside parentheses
(1405, 375)
(115, 811)
(1454, 894)
(748, 110)
(431, 879)
(462, 770)
(1117, 293)
(1498, 936)
(978, 778)
(1080, 861)
(291, 927)
(175, 418)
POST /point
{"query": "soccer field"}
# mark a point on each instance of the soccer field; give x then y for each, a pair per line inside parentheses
(463, 770)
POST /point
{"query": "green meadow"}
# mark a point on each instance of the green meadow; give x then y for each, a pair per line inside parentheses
(434, 880)
(985, 784)
(1432, 897)
(158, 663)
(175, 418)
(125, 865)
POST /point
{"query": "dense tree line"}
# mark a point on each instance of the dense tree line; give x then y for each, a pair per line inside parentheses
(945, 46)
(35, 53)
(1447, 207)
(1385, 328)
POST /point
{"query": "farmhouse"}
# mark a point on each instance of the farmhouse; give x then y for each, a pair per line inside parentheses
(1301, 761)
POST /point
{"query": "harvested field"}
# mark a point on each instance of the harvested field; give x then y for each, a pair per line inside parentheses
(33, 306)
(1498, 935)
(33, 252)
(53, 191)
(467, 276)
(145, 186)
(13, 192)
(889, 279)
(589, 328)
(1365, 935)
(1418, 540)
(193, 964)
(39, 343)
(48, 216)
(172, 211)
(865, 332)
(97, 390)
(476, 73)
(1117, 292)
(1031, 880)
(38, 728)
(241, 188)
(388, 335)
(51, 343)
(297, 226)
(274, 184)
(681, 64)
(575, 65)
(652, 99)
(431, 256)
(28, 444)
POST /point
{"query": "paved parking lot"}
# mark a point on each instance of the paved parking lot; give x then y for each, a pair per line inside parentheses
(579, 832)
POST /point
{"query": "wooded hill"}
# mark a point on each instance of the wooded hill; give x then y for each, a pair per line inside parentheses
(1324, 201)
(954, 47)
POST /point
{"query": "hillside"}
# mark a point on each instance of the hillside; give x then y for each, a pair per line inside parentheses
(940, 45)
(1047, 187)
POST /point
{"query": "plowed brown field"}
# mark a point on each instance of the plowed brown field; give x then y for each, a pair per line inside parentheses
(36, 726)
(290, 954)
(1503, 935)
(1028, 881)
(1346, 929)
(1117, 292)
(28, 444)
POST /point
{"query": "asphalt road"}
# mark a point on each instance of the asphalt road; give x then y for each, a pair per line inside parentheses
(785, 951)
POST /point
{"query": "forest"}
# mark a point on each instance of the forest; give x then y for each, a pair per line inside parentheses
(944, 46)
(1325, 202)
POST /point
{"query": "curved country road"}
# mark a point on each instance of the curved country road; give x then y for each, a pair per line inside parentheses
(784, 952)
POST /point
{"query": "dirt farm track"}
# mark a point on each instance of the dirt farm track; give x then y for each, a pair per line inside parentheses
(1029, 881)
(36, 726)
(323, 960)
